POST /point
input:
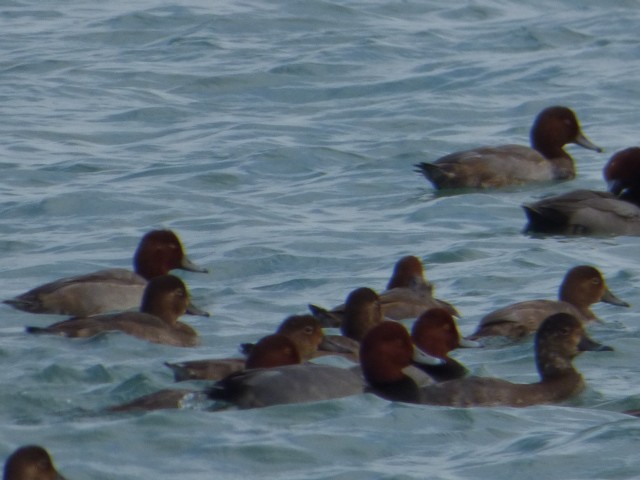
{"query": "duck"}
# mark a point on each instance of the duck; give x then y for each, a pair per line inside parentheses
(286, 384)
(581, 287)
(559, 339)
(407, 295)
(271, 351)
(435, 333)
(592, 212)
(30, 462)
(114, 289)
(494, 167)
(304, 330)
(165, 299)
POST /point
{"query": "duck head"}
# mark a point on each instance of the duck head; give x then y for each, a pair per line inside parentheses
(159, 252)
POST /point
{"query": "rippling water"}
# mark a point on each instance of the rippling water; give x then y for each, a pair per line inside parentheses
(278, 139)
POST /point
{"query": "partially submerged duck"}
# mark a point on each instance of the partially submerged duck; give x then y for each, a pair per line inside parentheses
(581, 287)
(491, 167)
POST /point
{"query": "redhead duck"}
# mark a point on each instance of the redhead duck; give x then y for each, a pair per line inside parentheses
(407, 295)
(30, 462)
(269, 352)
(165, 299)
(388, 359)
(294, 383)
(304, 330)
(588, 212)
(113, 289)
(490, 167)
(581, 287)
(558, 340)
(435, 332)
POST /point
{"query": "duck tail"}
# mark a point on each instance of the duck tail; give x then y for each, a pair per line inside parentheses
(26, 303)
(544, 220)
(180, 372)
(432, 172)
(36, 330)
(327, 319)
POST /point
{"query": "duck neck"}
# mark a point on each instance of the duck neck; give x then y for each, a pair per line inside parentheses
(553, 365)
(403, 390)
(357, 323)
(579, 303)
(163, 312)
(450, 370)
(562, 162)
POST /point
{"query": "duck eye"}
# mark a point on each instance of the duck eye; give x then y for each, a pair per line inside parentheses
(564, 331)
(308, 330)
(596, 281)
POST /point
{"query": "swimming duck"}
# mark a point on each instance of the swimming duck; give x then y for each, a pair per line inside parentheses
(304, 330)
(435, 332)
(165, 299)
(30, 462)
(294, 383)
(407, 295)
(558, 340)
(112, 289)
(581, 287)
(589, 212)
(490, 167)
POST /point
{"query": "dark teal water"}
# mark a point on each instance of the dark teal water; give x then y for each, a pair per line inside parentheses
(278, 139)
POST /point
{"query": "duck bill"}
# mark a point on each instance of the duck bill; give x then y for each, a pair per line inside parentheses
(587, 344)
(197, 311)
(466, 343)
(189, 266)
(586, 143)
(327, 319)
(331, 343)
(425, 359)
(609, 297)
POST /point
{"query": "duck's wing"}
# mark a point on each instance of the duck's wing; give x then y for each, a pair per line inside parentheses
(84, 295)
(520, 319)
